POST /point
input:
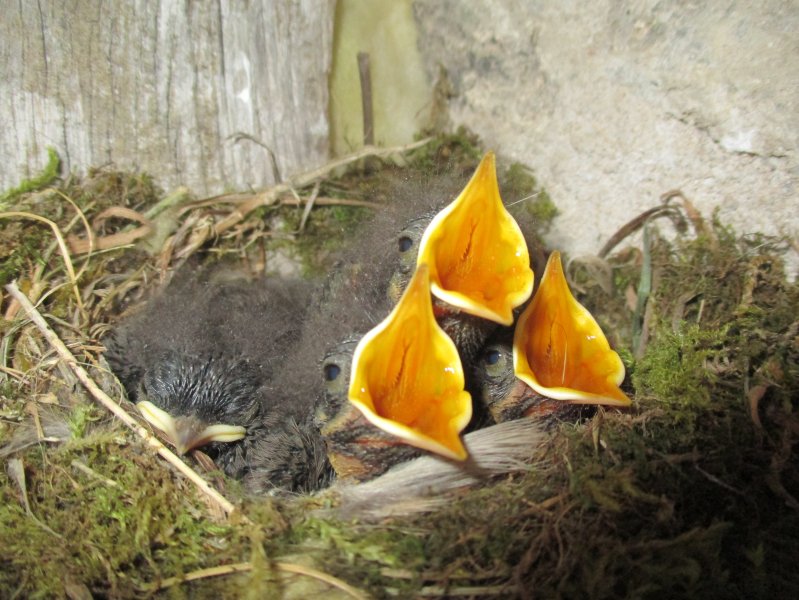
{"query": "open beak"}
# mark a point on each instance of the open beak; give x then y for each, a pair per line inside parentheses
(187, 433)
(559, 349)
(407, 377)
(476, 251)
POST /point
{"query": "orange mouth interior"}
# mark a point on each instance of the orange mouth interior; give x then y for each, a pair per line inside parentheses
(407, 376)
(559, 349)
(477, 254)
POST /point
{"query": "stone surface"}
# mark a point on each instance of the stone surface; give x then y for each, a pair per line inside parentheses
(615, 103)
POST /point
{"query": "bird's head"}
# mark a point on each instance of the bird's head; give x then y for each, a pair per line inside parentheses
(476, 252)
(357, 449)
(477, 257)
(407, 377)
(196, 401)
(506, 397)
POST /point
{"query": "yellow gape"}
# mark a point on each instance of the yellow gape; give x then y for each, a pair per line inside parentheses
(559, 349)
(407, 377)
(477, 254)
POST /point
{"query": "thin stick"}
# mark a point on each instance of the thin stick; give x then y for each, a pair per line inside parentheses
(271, 195)
(80, 246)
(311, 176)
(62, 245)
(365, 74)
(632, 226)
(324, 201)
(435, 591)
(321, 576)
(93, 474)
(247, 566)
(89, 232)
(288, 200)
(240, 135)
(308, 206)
(112, 406)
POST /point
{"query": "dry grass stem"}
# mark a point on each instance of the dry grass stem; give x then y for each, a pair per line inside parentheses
(73, 280)
(89, 233)
(247, 566)
(87, 470)
(82, 246)
(309, 204)
(112, 406)
(271, 195)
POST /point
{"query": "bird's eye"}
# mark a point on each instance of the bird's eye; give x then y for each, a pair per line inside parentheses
(405, 243)
(332, 372)
(495, 362)
(492, 357)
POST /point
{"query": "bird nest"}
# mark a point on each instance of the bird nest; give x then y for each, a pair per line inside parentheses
(693, 492)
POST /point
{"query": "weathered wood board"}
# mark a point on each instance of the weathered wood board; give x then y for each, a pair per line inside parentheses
(166, 87)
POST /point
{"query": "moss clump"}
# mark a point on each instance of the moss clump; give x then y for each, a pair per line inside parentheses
(20, 250)
(102, 188)
(48, 175)
(330, 229)
(519, 184)
(458, 152)
(114, 528)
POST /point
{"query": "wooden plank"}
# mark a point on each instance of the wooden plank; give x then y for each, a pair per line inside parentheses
(165, 87)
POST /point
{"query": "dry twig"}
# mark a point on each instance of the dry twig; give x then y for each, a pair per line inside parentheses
(112, 406)
(270, 196)
(73, 280)
(81, 246)
(247, 566)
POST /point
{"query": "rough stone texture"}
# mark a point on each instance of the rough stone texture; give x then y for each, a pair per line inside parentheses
(615, 103)
(163, 86)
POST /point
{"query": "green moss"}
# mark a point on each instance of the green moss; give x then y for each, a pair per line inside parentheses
(115, 532)
(80, 419)
(458, 152)
(519, 184)
(43, 179)
(376, 548)
(330, 229)
(348, 217)
(21, 249)
(673, 370)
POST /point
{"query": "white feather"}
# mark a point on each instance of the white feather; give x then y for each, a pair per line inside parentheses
(426, 483)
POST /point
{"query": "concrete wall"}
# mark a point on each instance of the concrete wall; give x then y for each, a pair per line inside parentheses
(614, 103)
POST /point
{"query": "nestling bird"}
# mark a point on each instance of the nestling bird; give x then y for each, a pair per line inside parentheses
(354, 299)
(555, 364)
(406, 375)
(357, 449)
(478, 258)
(507, 397)
(559, 349)
(427, 482)
(198, 360)
(287, 454)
